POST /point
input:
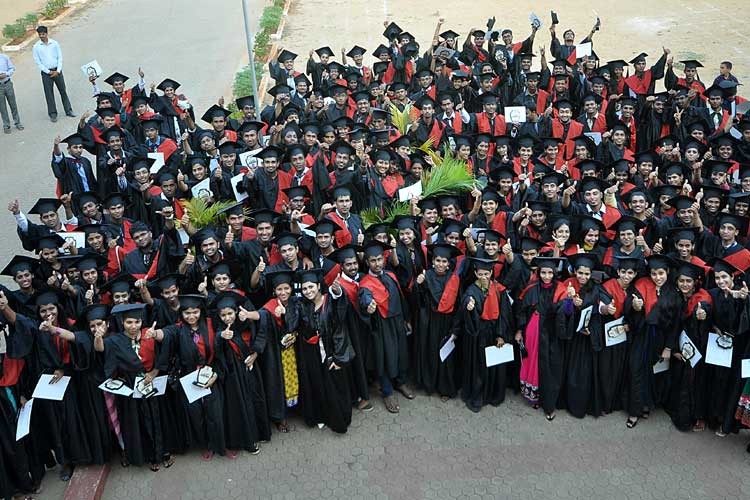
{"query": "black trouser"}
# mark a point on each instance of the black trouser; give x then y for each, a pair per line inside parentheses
(49, 95)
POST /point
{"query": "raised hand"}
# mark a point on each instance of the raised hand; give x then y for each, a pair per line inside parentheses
(637, 302)
(470, 305)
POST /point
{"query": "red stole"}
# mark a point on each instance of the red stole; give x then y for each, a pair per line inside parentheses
(647, 289)
(692, 303)
(284, 180)
(63, 349)
(450, 292)
(491, 308)
(639, 85)
(147, 351)
(350, 288)
(201, 345)
(481, 55)
(12, 369)
(695, 84)
(561, 292)
(436, 131)
(125, 99)
(740, 260)
(483, 124)
(575, 129)
(541, 101)
(167, 147)
(618, 295)
(378, 290)
(330, 277)
(246, 336)
(271, 306)
(343, 236)
(231, 135)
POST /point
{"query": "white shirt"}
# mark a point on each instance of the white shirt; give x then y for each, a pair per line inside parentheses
(48, 55)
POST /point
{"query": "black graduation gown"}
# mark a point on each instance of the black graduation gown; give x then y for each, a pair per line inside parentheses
(482, 385)
(141, 421)
(15, 456)
(357, 327)
(432, 331)
(273, 329)
(687, 392)
(88, 375)
(58, 424)
(324, 392)
(612, 360)
(68, 178)
(206, 414)
(540, 299)
(245, 413)
(580, 392)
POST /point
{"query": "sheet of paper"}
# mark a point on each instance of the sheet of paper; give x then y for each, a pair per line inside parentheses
(444, 52)
(409, 192)
(77, 237)
(515, 114)
(184, 237)
(583, 49)
(92, 69)
(661, 366)
(202, 189)
(447, 349)
(158, 162)
(249, 160)
(715, 355)
(585, 318)
(160, 383)
(494, 355)
(303, 227)
(614, 332)
(594, 136)
(535, 21)
(235, 181)
(122, 391)
(742, 108)
(745, 368)
(55, 392)
(734, 132)
(24, 420)
(684, 339)
(192, 391)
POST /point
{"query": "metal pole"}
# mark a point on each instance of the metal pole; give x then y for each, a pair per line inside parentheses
(251, 55)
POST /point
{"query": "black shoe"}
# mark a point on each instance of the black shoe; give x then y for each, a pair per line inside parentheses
(53, 118)
(254, 450)
(71, 114)
(6, 130)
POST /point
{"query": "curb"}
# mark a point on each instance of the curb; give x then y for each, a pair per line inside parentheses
(73, 6)
(275, 49)
(87, 483)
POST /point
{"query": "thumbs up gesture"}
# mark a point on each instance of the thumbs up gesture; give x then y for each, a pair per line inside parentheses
(611, 309)
(261, 265)
(189, 258)
(571, 291)
(279, 311)
(336, 287)
(360, 237)
(3, 301)
(151, 332)
(741, 293)
(421, 277)
(470, 305)
(372, 307)
(203, 286)
(637, 303)
(700, 313)
(227, 334)
(229, 238)
(658, 248)
(90, 294)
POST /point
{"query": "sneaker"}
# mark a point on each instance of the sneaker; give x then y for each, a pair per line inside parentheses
(6, 130)
(254, 450)
(53, 119)
(19, 126)
(71, 114)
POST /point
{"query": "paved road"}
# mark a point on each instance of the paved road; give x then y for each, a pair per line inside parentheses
(196, 43)
(442, 450)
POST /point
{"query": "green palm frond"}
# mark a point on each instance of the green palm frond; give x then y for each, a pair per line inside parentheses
(427, 148)
(400, 119)
(201, 214)
(450, 176)
(370, 216)
(376, 215)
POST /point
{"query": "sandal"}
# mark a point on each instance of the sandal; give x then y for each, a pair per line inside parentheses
(124, 460)
(232, 455)
(391, 404)
(550, 417)
(154, 467)
(720, 434)
(699, 426)
(445, 399)
(535, 407)
(255, 449)
(282, 427)
(646, 413)
(168, 461)
(405, 391)
(365, 406)
(207, 456)
(631, 423)
(66, 473)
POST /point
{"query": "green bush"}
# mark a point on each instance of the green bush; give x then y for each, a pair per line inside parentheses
(53, 8)
(262, 45)
(271, 18)
(243, 82)
(13, 31)
(29, 20)
(279, 3)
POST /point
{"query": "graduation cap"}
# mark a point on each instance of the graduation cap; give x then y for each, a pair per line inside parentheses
(646, 156)
(628, 263)
(620, 166)
(94, 312)
(229, 147)
(168, 83)
(342, 190)
(452, 226)
(119, 283)
(666, 140)
(227, 300)
(592, 97)
(286, 238)
(740, 197)
(724, 139)
(617, 63)
(431, 203)
(116, 77)
(554, 263)
(529, 243)
(271, 152)
(362, 96)
(377, 228)
(247, 100)
(481, 264)
(373, 248)
(215, 111)
(628, 223)
(658, 261)
(586, 223)
(286, 55)
(191, 301)
(683, 233)
(114, 199)
(639, 58)
(502, 172)
(406, 222)
(392, 31)
(45, 205)
(739, 223)
(713, 91)
(425, 99)
(680, 202)
(152, 122)
(324, 51)
(135, 311)
(381, 50)
(345, 252)
(691, 63)
(264, 215)
(589, 165)
(379, 67)
(563, 103)
(410, 48)
(721, 265)
(449, 34)
(281, 88)
(105, 112)
(113, 131)
(85, 197)
(356, 51)
(324, 226)
(302, 78)
(678, 168)
(204, 234)
(589, 183)
(73, 140)
(276, 278)
(20, 263)
(221, 267)
(443, 250)
(342, 147)
(589, 260)
(48, 296)
(309, 276)
(492, 235)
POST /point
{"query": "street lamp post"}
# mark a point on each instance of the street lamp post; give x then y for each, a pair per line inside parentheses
(251, 55)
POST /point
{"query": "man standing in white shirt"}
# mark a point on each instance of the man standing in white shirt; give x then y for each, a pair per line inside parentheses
(48, 57)
(7, 93)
